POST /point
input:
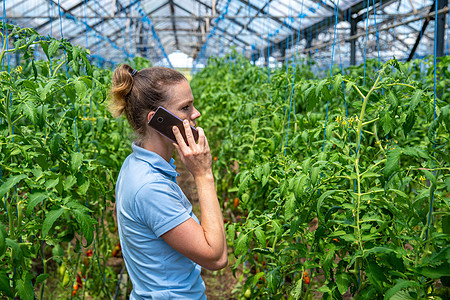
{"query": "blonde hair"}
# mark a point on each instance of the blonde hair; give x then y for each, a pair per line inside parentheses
(140, 93)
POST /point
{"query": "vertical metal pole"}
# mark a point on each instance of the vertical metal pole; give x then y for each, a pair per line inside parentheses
(353, 30)
(309, 38)
(440, 28)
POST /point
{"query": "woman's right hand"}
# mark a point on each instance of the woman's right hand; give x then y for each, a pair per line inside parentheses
(195, 156)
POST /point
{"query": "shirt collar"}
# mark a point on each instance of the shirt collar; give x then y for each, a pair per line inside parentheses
(155, 160)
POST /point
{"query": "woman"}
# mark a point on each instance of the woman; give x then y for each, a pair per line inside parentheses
(162, 241)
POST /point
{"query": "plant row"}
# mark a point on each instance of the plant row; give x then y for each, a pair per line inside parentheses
(334, 186)
(60, 156)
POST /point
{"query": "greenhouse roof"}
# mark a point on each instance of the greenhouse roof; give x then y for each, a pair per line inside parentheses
(159, 29)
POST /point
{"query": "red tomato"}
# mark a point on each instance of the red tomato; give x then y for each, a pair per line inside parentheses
(236, 202)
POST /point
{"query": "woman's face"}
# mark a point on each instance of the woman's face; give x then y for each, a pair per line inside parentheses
(181, 102)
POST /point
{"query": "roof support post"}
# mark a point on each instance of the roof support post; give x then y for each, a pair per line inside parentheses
(309, 38)
(353, 31)
(440, 34)
(174, 28)
(419, 37)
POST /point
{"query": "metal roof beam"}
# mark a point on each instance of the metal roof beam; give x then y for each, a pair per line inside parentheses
(261, 10)
(322, 25)
(172, 17)
(189, 12)
(231, 20)
(326, 6)
(64, 10)
(251, 20)
(234, 21)
(119, 11)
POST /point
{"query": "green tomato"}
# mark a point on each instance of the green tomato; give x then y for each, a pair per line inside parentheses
(66, 279)
(248, 293)
(62, 270)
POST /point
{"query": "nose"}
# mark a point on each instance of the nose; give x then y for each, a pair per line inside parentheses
(195, 114)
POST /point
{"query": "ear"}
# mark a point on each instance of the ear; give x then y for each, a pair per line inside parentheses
(150, 115)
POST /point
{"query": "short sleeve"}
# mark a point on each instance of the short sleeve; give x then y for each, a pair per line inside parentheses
(159, 206)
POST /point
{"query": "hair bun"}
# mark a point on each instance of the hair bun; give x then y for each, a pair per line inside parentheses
(122, 84)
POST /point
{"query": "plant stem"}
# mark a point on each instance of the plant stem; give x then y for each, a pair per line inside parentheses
(358, 152)
(57, 68)
(44, 261)
(378, 140)
(5, 40)
(368, 122)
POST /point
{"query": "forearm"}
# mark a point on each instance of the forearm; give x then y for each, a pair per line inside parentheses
(211, 215)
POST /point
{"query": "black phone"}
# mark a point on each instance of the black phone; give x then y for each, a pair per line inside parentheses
(163, 122)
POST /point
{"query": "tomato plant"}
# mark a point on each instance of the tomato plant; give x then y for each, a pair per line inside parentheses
(336, 175)
(60, 156)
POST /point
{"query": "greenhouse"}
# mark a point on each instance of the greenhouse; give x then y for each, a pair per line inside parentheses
(313, 161)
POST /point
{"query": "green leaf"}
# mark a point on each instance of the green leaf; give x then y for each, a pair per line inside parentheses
(12, 181)
(15, 246)
(436, 272)
(326, 93)
(386, 122)
(290, 206)
(319, 204)
(51, 182)
(261, 237)
(430, 176)
(3, 236)
(35, 199)
(80, 88)
(83, 186)
(266, 173)
(41, 278)
(254, 124)
(392, 162)
(25, 288)
(69, 182)
(376, 275)
(52, 48)
(415, 99)
(319, 87)
(29, 111)
(314, 175)
(331, 211)
(343, 281)
(58, 253)
(50, 219)
(5, 285)
(46, 89)
(277, 227)
(241, 244)
(258, 173)
(273, 279)
(403, 295)
(244, 184)
(401, 284)
(446, 224)
(231, 230)
(76, 159)
(327, 261)
(299, 188)
(87, 224)
(409, 123)
(393, 101)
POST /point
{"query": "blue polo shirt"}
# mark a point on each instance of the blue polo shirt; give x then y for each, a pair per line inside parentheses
(149, 203)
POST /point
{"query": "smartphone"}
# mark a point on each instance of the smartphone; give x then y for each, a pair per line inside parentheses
(163, 122)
